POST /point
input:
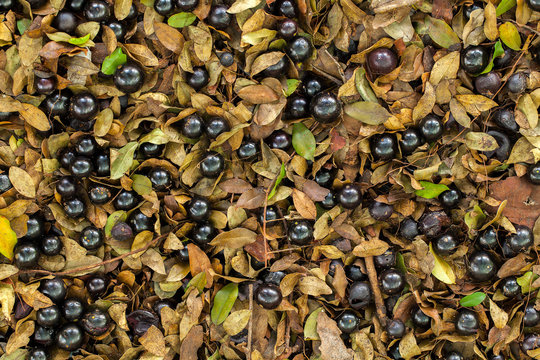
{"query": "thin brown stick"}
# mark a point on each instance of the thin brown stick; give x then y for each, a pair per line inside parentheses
(379, 302)
(89, 267)
(250, 325)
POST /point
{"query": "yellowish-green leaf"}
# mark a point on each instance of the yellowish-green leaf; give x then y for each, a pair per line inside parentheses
(510, 36)
(8, 238)
(442, 270)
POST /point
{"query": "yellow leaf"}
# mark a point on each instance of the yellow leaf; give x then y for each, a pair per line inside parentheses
(8, 239)
(442, 270)
(510, 36)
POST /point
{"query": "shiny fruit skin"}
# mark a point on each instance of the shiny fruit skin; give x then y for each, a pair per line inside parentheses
(248, 150)
(51, 245)
(531, 316)
(380, 211)
(96, 286)
(329, 201)
(530, 342)
(347, 322)
(488, 84)
(354, 273)
(467, 10)
(54, 288)
(35, 228)
(218, 17)
(198, 209)
(161, 304)
(198, 78)
(203, 233)
(517, 83)
(141, 320)
(160, 179)
(410, 141)
(270, 217)
(74, 208)
(420, 319)
(287, 28)
(445, 244)
(474, 59)
(466, 322)
(122, 232)
(81, 167)
(192, 126)
(99, 194)
(57, 104)
(164, 7)
(325, 107)
(510, 287)
(91, 238)
(300, 232)
(279, 139)
(325, 178)
(453, 355)
(26, 255)
(149, 150)
(216, 126)
(522, 240)
(212, 165)
(505, 60)
(505, 119)
(268, 296)
(273, 277)
(102, 164)
(49, 316)
(95, 322)
(129, 78)
(534, 174)
(75, 5)
(45, 86)
(505, 145)
(360, 295)
(72, 309)
(43, 336)
(534, 4)
(97, 10)
(392, 282)
(5, 183)
(297, 107)
(312, 85)
(299, 49)
(38, 354)
(86, 146)
(450, 198)
(481, 266)
(119, 30)
(431, 127)
(383, 147)
(395, 329)
(226, 59)
(382, 61)
(286, 8)
(187, 5)
(83, 106)
(385, 260)
(140, 222)
(278, 69)
(126, 200)
(409, 229)
(431, 223)
(349, 196)
(70, 337)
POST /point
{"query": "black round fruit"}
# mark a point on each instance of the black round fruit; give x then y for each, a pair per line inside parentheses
(522, 240)
(102, 163)
(70, 337)
(329, 201)
(192, 126)
(203, 233)
(5, 183)
(383, 147)
(83, 106)
(325, 177)
(82, 166)
(392, 282)
(75, 5)
(445, 244)
(534, 4)
(6, 5)
(97, 10)
(380, 211)
(530, 342)
(299, 49)
(268, 296)
(510, 287)
(287, 28)
(410, 141)
(382, 61)
(360, 295)
(96, 285)
(72, 309)
(216, 126)
(312, 85)
(431, 127)
(531, 316)
(122, 231)
(51, 245)
(54, 288)
(409, 229)
(453, 355)
(49, 316)
(450, 198)
(119, 30)
(347, 322)
(300, 232)
(74, 208)
(534, 173)
(140, 222)
(349, 196)
(38, 354)
(164, 7)
(91, 238)
(212, 165)
(218, 17)
(99, 194)
(226, 59)
(279, 139)
(35, 227)
(270, 217)
(474, 59)
(126, 200)
(285, 8)
(26, 255)
(468, 9)
(247, 150)
(385, 260)
(505, 145)
(160, 178)
(354, 273)
(141, 320)
(198, 78)
(488, 84)
(273, 277)
(45, 86)
(297, 107)
(86, 146)
(466, 322)
(43, 336)
(420, 319)
(95, 322)
(504, 60)
(325, 107)
(505, 119)
(57, 104)
(517, 83)
(187, 5)
(161, 304)
(481, 266)
(198, 209)
(129, 78)
(395, 328)
(278, 69)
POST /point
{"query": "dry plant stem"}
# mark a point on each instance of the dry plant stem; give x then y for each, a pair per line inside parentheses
(92, 266)
(379, 302)
(250, 325)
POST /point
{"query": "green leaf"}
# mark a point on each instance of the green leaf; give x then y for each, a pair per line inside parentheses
(113, 61)
(23, 24)
(198, 281)
(431, 190)
(223, 303)
(141, 184)
(504, 6)
(80, 40)
(363, 86)
(113, 219)
(442, 270)
(400, 263)
(303, 141)
(475, 218)
(292, 85)
(8, 238)
(510, 36)
(181, 20)
(473, 299)
(526, 280)
(498, 50)
(123, 161)
(278, 181)
(310, 328)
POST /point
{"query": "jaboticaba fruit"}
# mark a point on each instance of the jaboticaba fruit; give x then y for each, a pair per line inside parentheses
(129, 78)
(474, 59)
(325, 107)
(349, 196)
(383, 147)
(481, 266)
(198, 78)
(268, 296)
(466, 322)
(218, 17)
(382, 61)
(299, 49)
(300, 232)
(83, 106)
(431, 127)
(488, 84)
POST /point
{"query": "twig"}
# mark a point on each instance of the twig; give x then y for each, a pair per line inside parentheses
(89, 267)
(250, 326)
(379, 302)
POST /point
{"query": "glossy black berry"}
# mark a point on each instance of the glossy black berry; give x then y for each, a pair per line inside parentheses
(51, 245)
(5, 183)
(129, 78)
(481, 266)
(54, 288)
(531, 316)
(445, 244)
(160, 178)
(26, 255)
(75, 5)
(505, 145)
(349, 196)
(216, 126)
(35, 227)
(534, 173)
(450, 198)
(431, 223)
(517, 83)
(86, 146)
(140, 222)
(453, 355)
(325, 107)
(273, 277)
(91, 238)
(297, 107)
(329, 201)
(466, 322)
(82, 166)
(279, 139)
(43, 336)
(218, 17)
(300, 232)
(192, 126)
(348, 322)
(325, 177)
(285, 8)
(393, 352)
(530, 342)
(522, 240)
(198, 78)
(212, 164)
(141, 320)
(380, 211)
(119, 30)
(431, 127)
(395, 329)
(360, 295)
(504, 60)
(49, 316)
(72, 309)
(287, 28)
(38, 354)
(278, 69)
(488, 84)
(268, 296)
(164, 7)
(391, 281)
(57, 104)
(420, 319)
(95, 322)
(510, 287)
(203, 233)
(6, 5)
(45, 86)
(507, 251)
(226, 59)
(248, 150)
(410, 141)
(99, 194)
(161, 304)
(102, 164)
(385, 260)
(299, 49)
(122, 232)
(97, 10)
(383, 147)
(183, 255)
(468, 9)
(70, 337)
(83, 106)
(126, 200)
(312, 85)
(534, 4)
(198, 209)
(270, 217)
(96, 285)
(409, 229)
(497, 357)
(505, 119)
(382, 61)
(355, 273)
(74, 208)
(474, 59)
